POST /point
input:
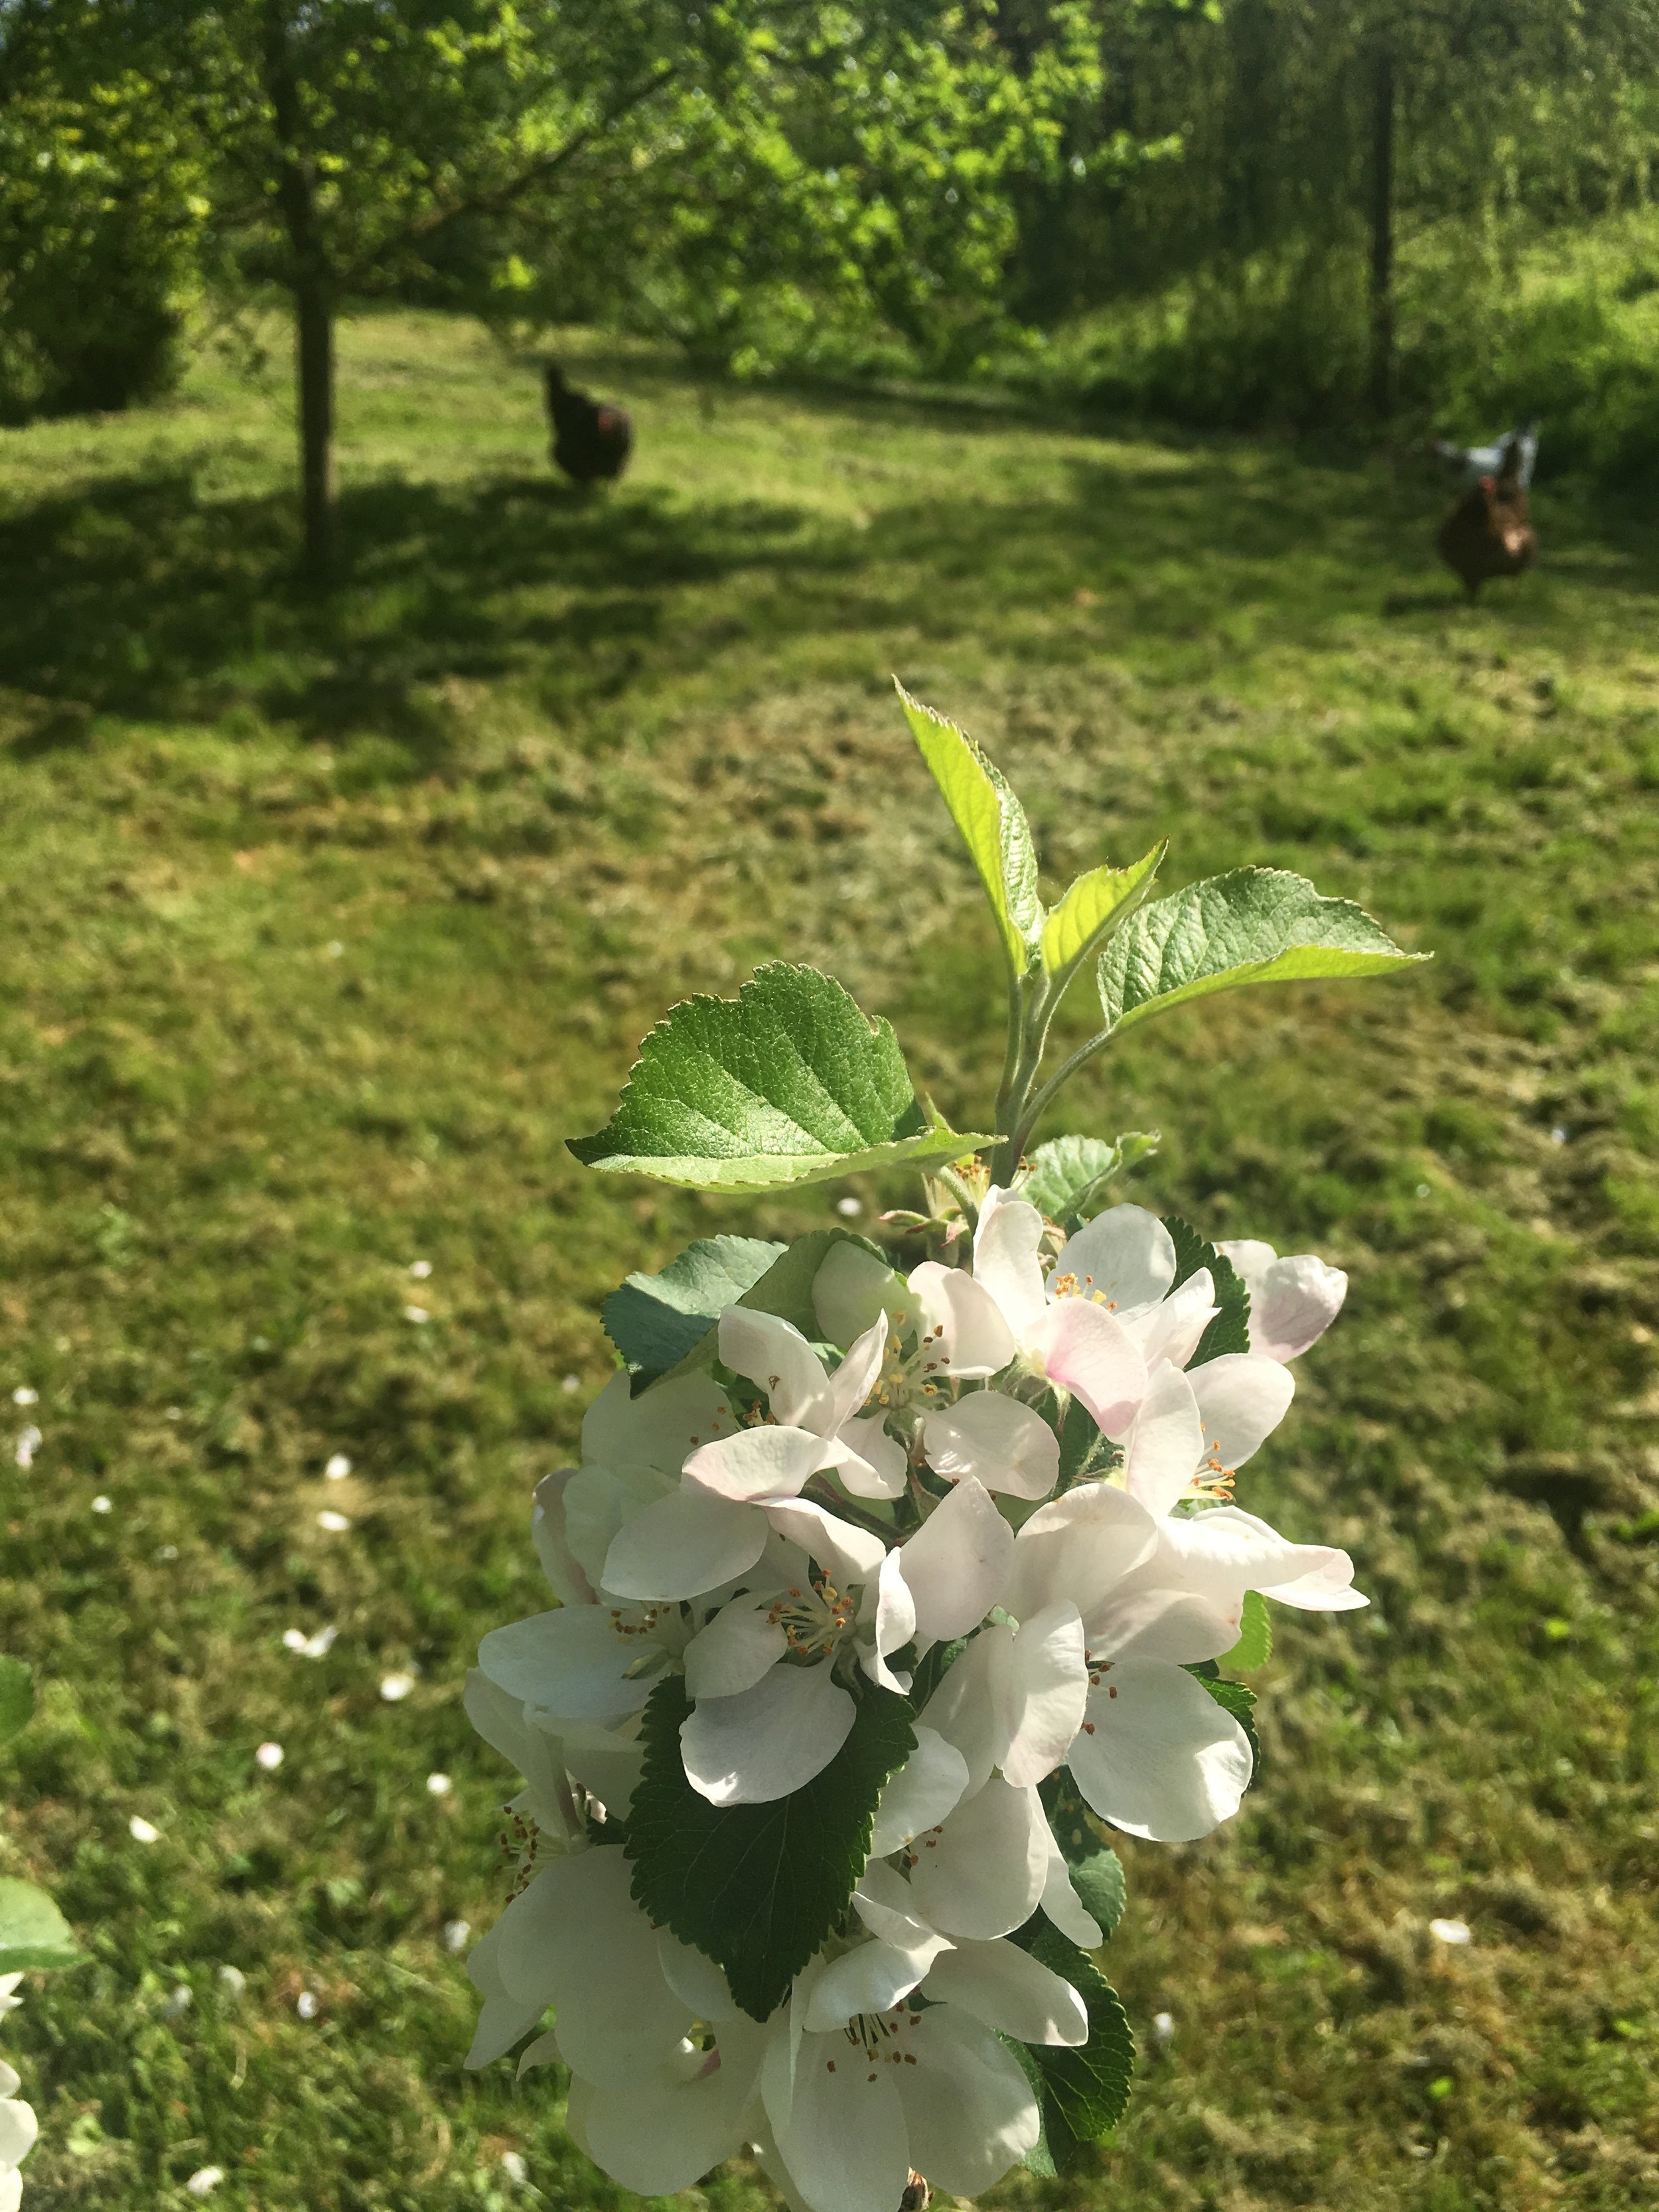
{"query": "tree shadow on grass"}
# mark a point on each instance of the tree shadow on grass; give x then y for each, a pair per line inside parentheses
(141, 598)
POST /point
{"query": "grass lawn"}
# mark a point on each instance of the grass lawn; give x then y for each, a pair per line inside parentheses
(328, 923)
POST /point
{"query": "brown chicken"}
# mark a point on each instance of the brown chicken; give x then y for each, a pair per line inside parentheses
(1488, 533)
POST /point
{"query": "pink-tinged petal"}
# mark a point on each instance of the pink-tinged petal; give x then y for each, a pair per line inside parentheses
(1293, 1301)
(967, 1707)
(775, 1356)
(980, 1874)
(1166, 1443)
(869, 1463)
(890, 1612)
(1064, 1907)
(855, 1378)
(560, 1564)
(1047, 1685)
(847, 1554)
(1007, 1445)
(1242, 1399)
(1090, 1354)
(1173, 1328)
(1007, 1989)
(757, 1465)
(682, 1546)
(1006, 1245)
(960, 1327)
(926, 1790)
(1124, 1258)
(1079, 1547)
(956, 1562)
(770, 1741)
(967, 2106)
(740, 1643)
(1157, 1756)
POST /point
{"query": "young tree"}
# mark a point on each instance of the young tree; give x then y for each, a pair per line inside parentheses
(707, 153)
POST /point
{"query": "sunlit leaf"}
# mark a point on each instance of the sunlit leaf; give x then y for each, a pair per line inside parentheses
(992, 825)
(1096, 904)
(1253, 926)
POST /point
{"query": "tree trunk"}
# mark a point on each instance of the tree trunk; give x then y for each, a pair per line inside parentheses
(315, 358)
(1381, 227)
(309, 279)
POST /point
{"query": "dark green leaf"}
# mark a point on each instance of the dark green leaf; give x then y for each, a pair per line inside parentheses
(1251, 926)
(785, 1289)
(654, 1320)
(1237, 1699)
(1254, 1646)
(1067, 1176)
(758, 1887)
(1085, 2089)
(1096, 1869)
(1230, 1329)
(16, 1697)
(33, 1933)
(786, 1082)
(939, 1662)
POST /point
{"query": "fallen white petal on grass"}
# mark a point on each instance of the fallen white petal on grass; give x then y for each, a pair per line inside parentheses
(269, 1756)
(310, 1647)
(456, 1933)
(205, 2180)
(1450, 1931)
(570, 1385)
(306, 2004)
(335, 1523)
(338, 1468)
(142, 1831)
(27, 1444)
(439, 1784)
(233, 1981)
(167, 1551)
(22, 1395)
(335, 948)
(847, 1207)
(102, 1505)
(1163, 2027)
(416, 1314)
(420, 1269)
(395, 1687)
(513, 2167)
(179, 2002)
(1557, 1136)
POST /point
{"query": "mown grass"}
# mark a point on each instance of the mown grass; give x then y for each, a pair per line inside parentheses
(327, 920)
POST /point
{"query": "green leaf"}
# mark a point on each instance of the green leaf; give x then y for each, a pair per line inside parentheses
(654, 1320)
(1084, 2089)
(1096, 905)
(1096, 1869)
(1254, 1646)
(785, 1289)
(1237, 1699)
(992, 825)
(1230, 1329)
(758, 1887)
(786, 1082)
(1253, 926)
(33, 1933)
(16, 1697)
(1065, 1177)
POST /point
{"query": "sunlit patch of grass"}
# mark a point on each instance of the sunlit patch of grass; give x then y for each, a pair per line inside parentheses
(327, 922)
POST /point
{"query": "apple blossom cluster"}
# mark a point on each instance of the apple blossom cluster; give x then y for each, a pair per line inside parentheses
(877, 1610)
(18, 2125)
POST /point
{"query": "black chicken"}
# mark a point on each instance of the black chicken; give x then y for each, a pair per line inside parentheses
(592, 439)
